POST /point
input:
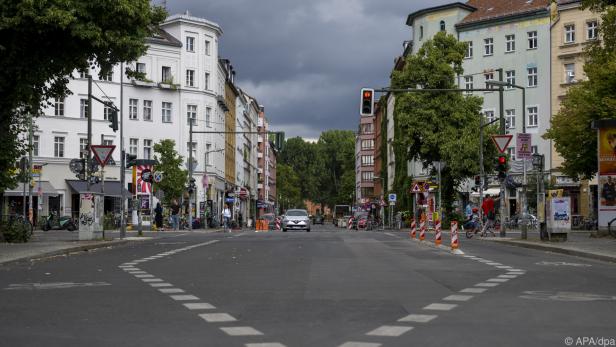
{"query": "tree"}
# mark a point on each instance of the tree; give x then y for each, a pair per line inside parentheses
(589, 100)
(170, 163)
(305, 161)
(437, 126)
(337, 150)
(43, 42)
(288, 186)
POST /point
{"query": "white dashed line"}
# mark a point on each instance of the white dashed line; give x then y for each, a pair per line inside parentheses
(241, 331)
(360, 344)
(499, 280)
(144, 276)
(504, 267)
(199, 306)
(138, 272)
(389, 330)
(159, 285)
(184, 297)
(458, 298)
(507, 276)
(149, 280)
(171, 290)
(217, 317)
(265, 344)
(473, 290)
(440, 307)
(484, 284)
(418, 318)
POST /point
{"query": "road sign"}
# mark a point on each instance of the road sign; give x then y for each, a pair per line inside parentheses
(392, 197)
(417, 187)
(205, 181)
(158, 176)
(523, 146)
(102, 153)
(426, 186)
(501, 142)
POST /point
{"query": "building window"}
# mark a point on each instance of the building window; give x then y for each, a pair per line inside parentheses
(532, 40)
(367, 160)
(592, 30)
(510, 40)
(511, 152)
(166, 75)
(106, 112)
(367, 144)
(190, 44)
(132, 108)
(208, 116)
(133, 146)
(207, 81)
(207, 47)
(367, 176)
(468, 83)
(421, 32)
(35, 145)
(191, 147)
(569, 33)
(83, 73)
(147, 110)
(58, 147)
(510, 75)
(83, 108)
(190, 78)
(533, 117)
(191, 115)
(107, 142)
(107, 77)
(166, 112)
(442, 25)
(534, 149)
(208, 149)
(147, 149)
(366, 128)
(532, 76)
(83, 148)
(489, 114)
(489, 77)
(140, 68)
(510, 119)
(59, 107)
(569, 73)
(488, 46)
(469, 50)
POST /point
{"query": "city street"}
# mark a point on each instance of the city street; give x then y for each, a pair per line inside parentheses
(329, 287)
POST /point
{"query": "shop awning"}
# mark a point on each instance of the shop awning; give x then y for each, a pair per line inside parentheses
(490, 191)
(112, 188)
(46, 188)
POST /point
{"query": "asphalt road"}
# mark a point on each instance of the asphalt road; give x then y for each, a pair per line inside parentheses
(330, 287)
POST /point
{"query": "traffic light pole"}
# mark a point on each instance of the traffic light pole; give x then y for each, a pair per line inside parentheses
(122, 157)
(501, 89)
(190, 174)
(89, 115)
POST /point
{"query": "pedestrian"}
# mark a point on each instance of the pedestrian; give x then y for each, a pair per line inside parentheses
(175, 210)
(489, 213)
(226, 215)
(158, 216)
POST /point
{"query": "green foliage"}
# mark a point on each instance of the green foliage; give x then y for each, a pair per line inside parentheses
(170, 163)
(589, 100)
(437, 126)
(303, 157)
(43, 42)
(15, 231)
(288, 186)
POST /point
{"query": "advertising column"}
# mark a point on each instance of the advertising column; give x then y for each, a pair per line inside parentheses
(606, 143)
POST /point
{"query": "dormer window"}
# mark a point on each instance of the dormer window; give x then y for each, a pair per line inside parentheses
(442, 25)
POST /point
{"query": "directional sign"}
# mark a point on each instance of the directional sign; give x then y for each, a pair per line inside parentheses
(102, 153)
(501, 142)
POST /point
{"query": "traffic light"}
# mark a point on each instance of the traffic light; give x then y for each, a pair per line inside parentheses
(279, 140)
(129, 159)
(367, 102)
(501, 166)
(113, 119)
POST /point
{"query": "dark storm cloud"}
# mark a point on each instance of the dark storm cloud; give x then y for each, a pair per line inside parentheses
(305, 61)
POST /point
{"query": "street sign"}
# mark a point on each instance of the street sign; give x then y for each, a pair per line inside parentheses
(204, 181)
(523, 146)
(501, 142)
(158, 176)
(417, 187)
(392, 197)
(426, 186)
(102, 153)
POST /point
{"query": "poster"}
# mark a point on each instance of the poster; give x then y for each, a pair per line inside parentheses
(560, 214)
(607, 175)
(523, 146)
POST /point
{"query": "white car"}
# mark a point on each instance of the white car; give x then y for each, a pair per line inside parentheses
(296, 219)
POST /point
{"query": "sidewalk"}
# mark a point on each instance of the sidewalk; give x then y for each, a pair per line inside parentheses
(580, 244)
(53, 243)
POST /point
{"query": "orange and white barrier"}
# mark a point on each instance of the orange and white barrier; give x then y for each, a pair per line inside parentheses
(413, 229)
(350, 223)
(422, 230)
(454, 235)
(437, 232)
(278, 224)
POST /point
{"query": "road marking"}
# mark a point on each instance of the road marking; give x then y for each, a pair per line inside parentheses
(494, 264)
(418, 318)
(171, 290)
(199, 306)
(217, 317)
(137, 272)
(158, 285)
(360, 344)
(504, 267)
(131, 268)
(473, 290)
(184, 297)
(440, 307)
(265, 344)
(516, 270)
(124, 266)
(507, 276)
(149, 280)
(458, 298)
(241, 331)
(499, 280)
(483, 284)
(54, 285)
(144, 276)
(389, 330)
(131, 263)
(392, 235)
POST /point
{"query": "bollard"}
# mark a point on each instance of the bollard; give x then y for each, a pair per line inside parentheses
(277, 223)
(454, 235)
(413, 229)
(350, 223)
(422, 230)
(437, 232)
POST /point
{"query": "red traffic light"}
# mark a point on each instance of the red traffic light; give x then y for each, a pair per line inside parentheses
(367, 94)
(366, 107)
(502, 160)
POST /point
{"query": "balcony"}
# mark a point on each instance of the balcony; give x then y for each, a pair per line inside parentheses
(222, 103)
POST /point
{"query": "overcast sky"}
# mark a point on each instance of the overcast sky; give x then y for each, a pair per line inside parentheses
(306, 61)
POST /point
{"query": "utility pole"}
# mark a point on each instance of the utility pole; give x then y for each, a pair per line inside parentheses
(502, 131)
(89, 115)
(190, 173)
(122, 155)
(30, 135)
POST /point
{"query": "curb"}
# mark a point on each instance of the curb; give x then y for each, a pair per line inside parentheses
(553, 249)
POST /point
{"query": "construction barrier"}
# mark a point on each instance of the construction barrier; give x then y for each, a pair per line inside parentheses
(350, 223)
(422, 230)
(413, 229)
(454, 235)
(262, 225)
(278, 224)
(437, 232)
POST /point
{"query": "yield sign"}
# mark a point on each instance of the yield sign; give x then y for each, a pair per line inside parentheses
(501, 141)
(102, 153)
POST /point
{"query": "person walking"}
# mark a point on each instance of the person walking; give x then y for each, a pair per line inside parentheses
(175, 211)
(226, 215)
(158, 217)
(489, 214)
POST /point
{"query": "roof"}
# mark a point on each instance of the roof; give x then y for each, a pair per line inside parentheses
(112, 188)
(188, 18)
(493, 9)
(412, 16)
(162, 37)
